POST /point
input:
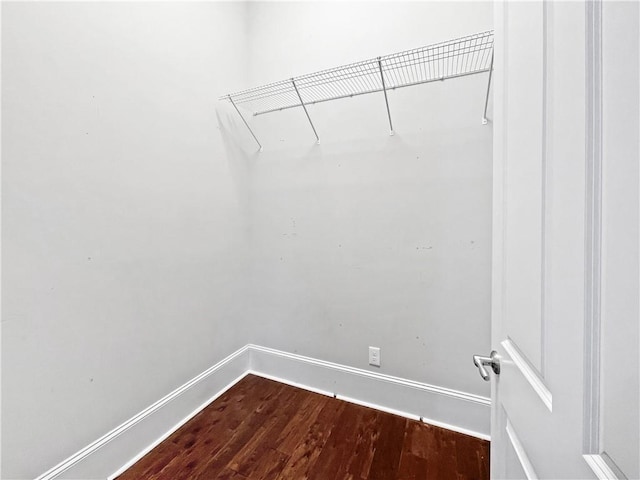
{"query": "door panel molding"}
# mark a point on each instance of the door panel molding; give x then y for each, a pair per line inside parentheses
(604, 467)
(521, 453)
(529, 372)
(545, 153)
(593, 228)
(611, 115)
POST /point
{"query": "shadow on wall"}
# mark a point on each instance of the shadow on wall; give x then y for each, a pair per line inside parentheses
(239, 161)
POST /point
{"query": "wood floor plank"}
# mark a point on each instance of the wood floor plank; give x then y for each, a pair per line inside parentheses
(250, 458)
(305, 456)
(412, 467)
(296, 431)
(470, 460)
(419, 439)
(367, 437)
(264, 430)
(228, 474)
(441, 457)
(339, 446)
(238, 429)
(241, 435)
(388, 447)
(269, 465)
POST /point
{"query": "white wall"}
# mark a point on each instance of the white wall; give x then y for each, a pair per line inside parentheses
(140, 246)
(123, 257)
(368, 239)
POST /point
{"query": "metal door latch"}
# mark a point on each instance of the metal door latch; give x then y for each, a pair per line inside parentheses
(493, 361)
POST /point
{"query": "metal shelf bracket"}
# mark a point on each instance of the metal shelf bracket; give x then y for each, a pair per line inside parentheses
(386, 100)
(245, 122)
(293, 82)
(486, 100)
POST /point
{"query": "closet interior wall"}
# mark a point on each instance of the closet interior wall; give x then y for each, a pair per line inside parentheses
(123, 263)
(144, 239)
(369, 239)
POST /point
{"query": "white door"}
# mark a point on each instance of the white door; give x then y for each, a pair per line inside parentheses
(565, 267)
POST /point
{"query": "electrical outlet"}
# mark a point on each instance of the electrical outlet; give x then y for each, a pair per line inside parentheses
(374, 356)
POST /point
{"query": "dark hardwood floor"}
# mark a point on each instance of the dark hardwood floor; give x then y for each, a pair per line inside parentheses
(261, 429)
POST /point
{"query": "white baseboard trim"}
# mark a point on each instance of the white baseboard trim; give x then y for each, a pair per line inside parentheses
(458, 411)
(113, 453)
(119, 448)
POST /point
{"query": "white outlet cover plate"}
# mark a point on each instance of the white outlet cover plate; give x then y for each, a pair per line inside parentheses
(374, 356)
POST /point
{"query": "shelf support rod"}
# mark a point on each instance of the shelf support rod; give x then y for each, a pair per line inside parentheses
(386, 100)
(293, 82)
(486, 100)
(245, 122)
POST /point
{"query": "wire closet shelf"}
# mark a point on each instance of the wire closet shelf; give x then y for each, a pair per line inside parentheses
(455, 58)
